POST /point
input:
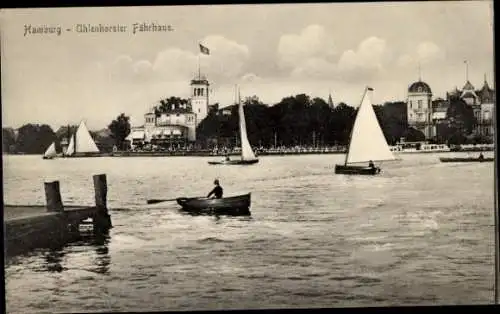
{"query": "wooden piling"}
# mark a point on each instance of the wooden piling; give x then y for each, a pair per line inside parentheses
(53, 197)
(102, 220)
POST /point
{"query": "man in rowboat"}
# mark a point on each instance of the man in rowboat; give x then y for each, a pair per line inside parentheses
(371, 164)
(217, 191)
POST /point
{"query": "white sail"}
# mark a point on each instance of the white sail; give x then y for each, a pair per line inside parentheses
(246, 150)
(71, 146)
(51, 151)
(367, 140)
(82, 141)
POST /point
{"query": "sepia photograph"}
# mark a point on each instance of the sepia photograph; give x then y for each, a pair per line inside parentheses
(249, 156)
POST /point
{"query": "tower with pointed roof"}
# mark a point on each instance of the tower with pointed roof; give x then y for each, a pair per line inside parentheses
(330, 101)
(486, 96)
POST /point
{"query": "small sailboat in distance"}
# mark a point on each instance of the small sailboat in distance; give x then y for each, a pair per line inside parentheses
(247, 155)
(367, 142)
(82, 144)
(50, 153)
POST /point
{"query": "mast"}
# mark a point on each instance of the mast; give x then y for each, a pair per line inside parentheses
(466, 70)
(74, 142)
(239, 116)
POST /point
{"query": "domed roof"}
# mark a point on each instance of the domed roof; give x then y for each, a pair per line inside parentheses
(419, 87)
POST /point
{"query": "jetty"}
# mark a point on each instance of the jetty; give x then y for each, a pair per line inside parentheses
(27, 227)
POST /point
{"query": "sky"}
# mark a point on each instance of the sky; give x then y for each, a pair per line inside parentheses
(268, 50)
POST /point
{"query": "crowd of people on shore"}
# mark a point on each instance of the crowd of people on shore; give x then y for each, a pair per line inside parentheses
(297, 149)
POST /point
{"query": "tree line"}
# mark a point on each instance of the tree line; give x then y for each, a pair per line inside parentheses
(295, 120)
(301, 120)
(35, 138)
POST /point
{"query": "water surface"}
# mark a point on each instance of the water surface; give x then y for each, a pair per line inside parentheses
(420, 233)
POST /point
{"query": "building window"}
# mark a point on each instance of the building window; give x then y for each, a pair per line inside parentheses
(199, 110)
(411, 104)
(201, 91)
(486, 115)
(419, 104)
(420, 89)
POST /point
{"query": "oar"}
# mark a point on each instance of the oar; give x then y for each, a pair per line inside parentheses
(155, 201)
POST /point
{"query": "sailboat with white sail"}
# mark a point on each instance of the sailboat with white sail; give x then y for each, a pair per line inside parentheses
(367, 143)
(247, 154)
(81, 143)
(50, 153)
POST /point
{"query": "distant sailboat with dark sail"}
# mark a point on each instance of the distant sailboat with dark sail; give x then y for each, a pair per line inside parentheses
(81, 143)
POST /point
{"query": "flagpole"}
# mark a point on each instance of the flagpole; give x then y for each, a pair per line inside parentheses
(466, 70)
(419, 72)
(199, 71)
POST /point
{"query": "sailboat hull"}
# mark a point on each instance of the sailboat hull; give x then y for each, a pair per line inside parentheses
(82, 155)
(356, 170)
(234, 162)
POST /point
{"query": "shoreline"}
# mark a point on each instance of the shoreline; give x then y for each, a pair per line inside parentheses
(211, 154)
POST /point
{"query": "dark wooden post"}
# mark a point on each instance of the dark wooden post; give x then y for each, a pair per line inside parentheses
(102, 220)
(53, 197)
(100, 190)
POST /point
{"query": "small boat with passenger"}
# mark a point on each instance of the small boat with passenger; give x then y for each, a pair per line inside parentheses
(233, 205)
(467, 159)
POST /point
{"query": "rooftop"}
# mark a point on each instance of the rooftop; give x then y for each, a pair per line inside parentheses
(419, 87)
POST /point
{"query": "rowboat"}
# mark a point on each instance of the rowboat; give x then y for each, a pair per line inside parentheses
(234, 205)
(465, 159)
(341, 169)
(366, 141)
(234, 162)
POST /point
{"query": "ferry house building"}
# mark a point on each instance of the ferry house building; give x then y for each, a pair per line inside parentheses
(174, 127)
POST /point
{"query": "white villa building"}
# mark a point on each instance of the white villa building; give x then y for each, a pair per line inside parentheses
(424, 114)
(175, 126)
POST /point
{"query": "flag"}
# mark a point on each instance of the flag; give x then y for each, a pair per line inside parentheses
(204, 50)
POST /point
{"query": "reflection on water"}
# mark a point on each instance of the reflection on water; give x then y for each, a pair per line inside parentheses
(54, 260)
(93, 245)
